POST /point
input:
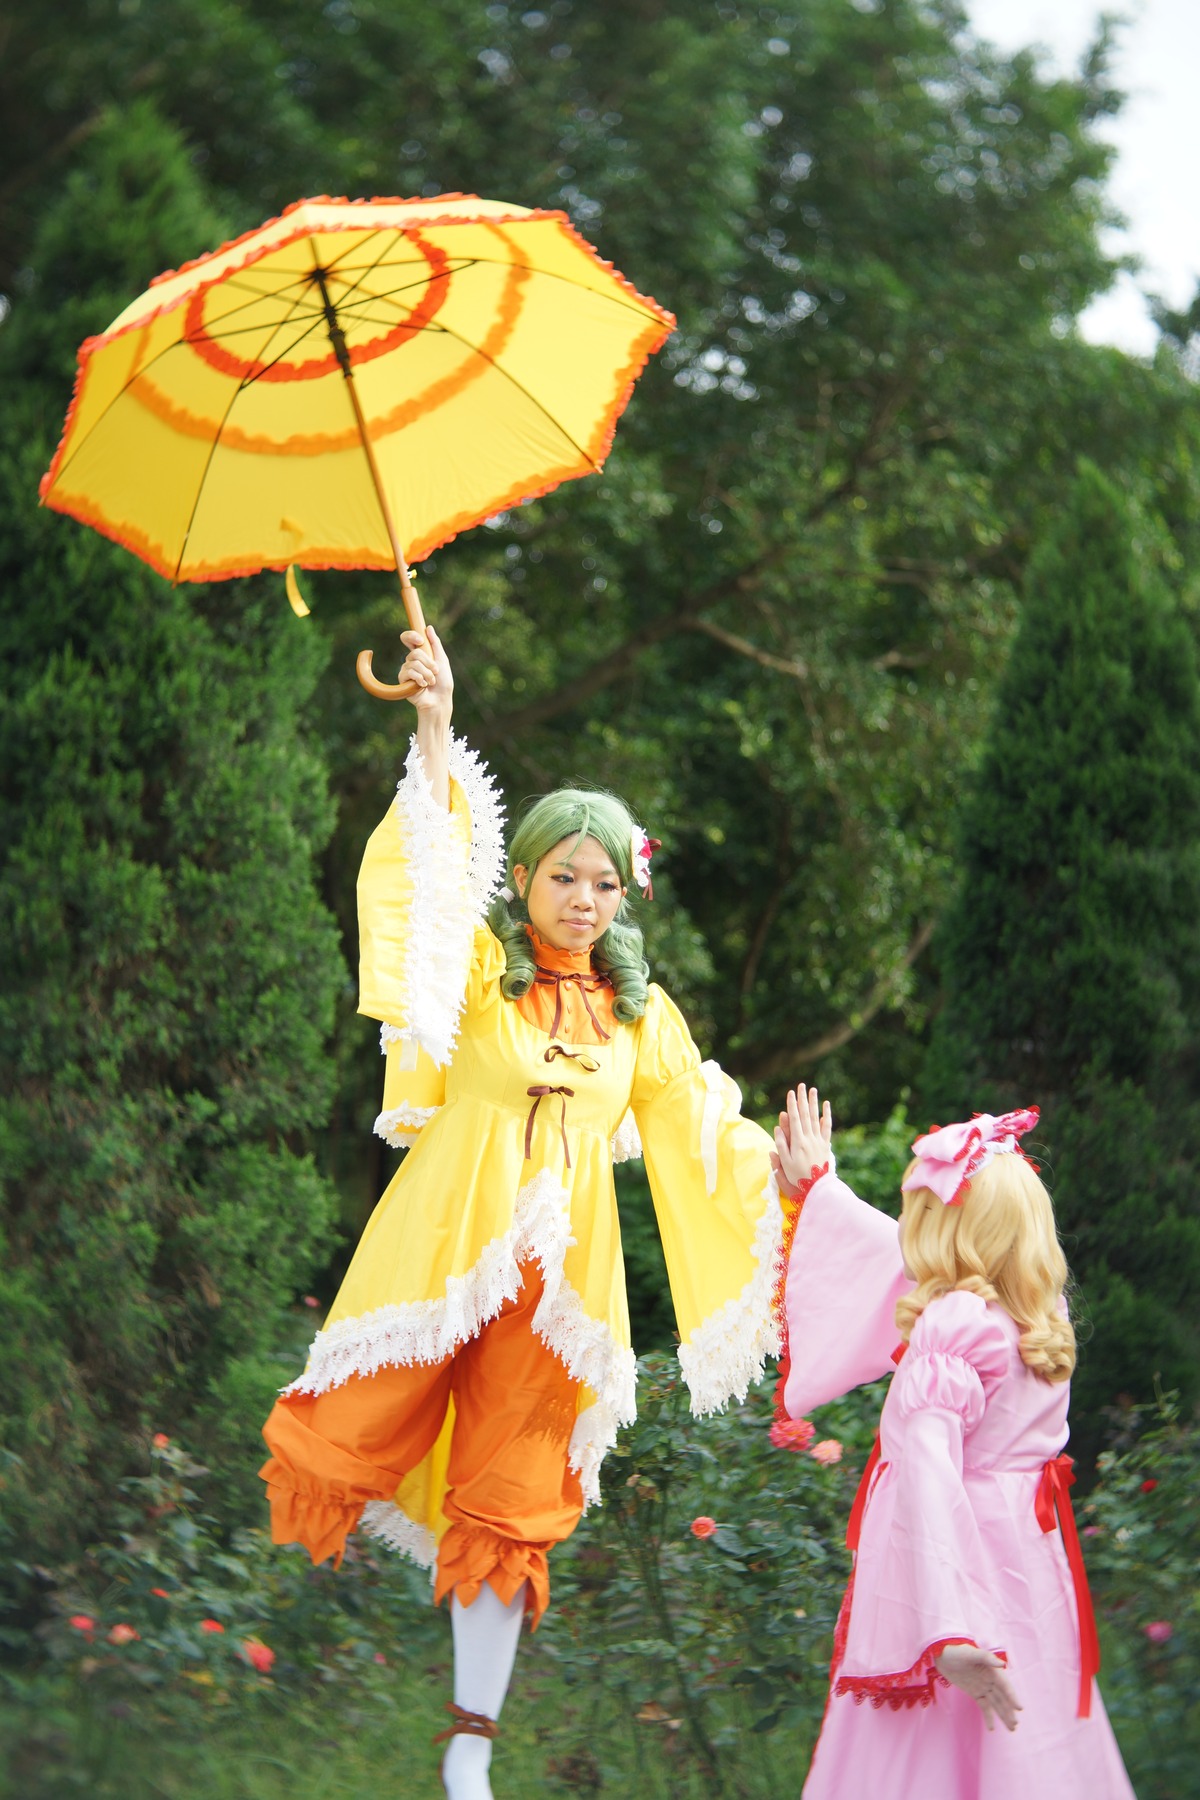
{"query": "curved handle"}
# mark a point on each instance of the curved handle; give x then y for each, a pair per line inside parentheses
(372, 683)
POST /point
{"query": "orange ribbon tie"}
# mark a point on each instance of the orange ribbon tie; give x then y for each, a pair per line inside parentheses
(1054, 1497)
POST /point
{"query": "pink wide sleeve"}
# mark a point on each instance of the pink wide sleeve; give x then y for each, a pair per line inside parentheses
(844, 1277)
(917, 1580)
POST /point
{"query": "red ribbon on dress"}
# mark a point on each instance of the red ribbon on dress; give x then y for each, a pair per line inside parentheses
(1053, 1496)
(854, 1522)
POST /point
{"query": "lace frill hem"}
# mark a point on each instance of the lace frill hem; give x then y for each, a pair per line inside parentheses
(384, 1520)
(728, 1352)
(914, 1687)
(448, 901)
(426, 1331)
(401, 1125)
(627, 1141)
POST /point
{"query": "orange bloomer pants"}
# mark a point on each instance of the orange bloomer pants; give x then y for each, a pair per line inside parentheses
(510, 1495)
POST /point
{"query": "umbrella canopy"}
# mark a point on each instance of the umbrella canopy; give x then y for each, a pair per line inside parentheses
(273, 402)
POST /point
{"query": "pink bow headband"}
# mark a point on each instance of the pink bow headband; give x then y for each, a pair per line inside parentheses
(949, 1155)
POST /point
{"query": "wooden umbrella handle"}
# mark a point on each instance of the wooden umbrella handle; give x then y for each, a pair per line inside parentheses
(381, 689)
(403, 690)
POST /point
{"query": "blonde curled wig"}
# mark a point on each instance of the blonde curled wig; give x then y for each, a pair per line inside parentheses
(1001, 1244)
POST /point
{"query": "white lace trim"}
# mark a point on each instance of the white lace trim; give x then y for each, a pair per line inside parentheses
(594, 1435)
(400, 1124)
(385, 1520)
(626, 1141)
(727, 1352)
(721, 1093)
(425, 1331)
(448, 901)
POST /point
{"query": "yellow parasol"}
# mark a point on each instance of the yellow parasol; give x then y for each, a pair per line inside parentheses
(354, 377)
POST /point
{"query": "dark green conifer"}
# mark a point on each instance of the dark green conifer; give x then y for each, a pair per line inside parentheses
(1071, 954)
(167, 970)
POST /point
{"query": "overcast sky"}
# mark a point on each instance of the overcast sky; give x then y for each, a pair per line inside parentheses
(1157, 134)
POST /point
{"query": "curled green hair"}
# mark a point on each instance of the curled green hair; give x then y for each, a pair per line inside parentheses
(575, 813)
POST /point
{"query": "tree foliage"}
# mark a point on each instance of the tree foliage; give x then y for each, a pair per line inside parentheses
(1070, 959)
(169, 971)
(774, 621)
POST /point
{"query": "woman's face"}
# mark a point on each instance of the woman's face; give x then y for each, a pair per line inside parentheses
(573, 903)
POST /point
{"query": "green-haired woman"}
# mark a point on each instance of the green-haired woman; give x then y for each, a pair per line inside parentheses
(476, 1363)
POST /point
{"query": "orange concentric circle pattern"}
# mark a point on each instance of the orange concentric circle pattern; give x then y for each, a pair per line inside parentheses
(492, 351)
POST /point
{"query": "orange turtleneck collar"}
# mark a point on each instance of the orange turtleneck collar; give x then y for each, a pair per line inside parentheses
(570, 1000)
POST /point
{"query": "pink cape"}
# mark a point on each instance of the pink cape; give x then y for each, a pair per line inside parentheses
(950, 1545)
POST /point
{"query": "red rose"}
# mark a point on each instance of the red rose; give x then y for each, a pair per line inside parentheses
(258, 1655)
(703, 1527)
(1149, 1485)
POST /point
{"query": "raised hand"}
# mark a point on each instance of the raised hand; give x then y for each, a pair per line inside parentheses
(803, 1138)
(429, 667)
(980, 1673)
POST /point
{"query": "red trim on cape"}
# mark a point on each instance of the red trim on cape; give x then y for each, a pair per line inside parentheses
(793, 1206)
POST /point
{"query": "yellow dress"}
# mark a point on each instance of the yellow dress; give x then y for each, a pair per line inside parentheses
(498, 1175)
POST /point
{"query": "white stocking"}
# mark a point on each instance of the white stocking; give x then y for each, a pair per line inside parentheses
(486, 1634)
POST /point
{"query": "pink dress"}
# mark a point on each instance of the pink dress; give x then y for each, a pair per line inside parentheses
(951, 1547)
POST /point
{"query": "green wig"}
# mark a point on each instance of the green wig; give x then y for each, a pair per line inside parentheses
(575, 813)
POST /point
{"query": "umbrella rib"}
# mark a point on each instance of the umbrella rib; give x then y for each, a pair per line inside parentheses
(242, 385)
(501, 262)
(385, 295)
(521, 388)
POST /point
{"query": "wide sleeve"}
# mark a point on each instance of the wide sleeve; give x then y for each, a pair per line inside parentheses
(717, 1206)
(844, 1277)
(426, 878)
(413, 1091)
(918, 1580)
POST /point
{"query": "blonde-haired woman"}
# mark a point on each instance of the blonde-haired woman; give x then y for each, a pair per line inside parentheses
(968, 1599)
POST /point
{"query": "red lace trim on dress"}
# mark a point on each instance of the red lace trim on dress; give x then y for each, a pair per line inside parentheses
(793, 1206)
(915, 1687)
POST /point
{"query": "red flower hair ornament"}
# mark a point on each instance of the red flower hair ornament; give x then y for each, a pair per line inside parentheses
(948, 1156)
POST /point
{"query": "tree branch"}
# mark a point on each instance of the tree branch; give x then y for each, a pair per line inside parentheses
(607, 669)
(797, 670)
(795, 1061)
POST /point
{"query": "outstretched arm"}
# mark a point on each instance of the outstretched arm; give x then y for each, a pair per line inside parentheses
(429, 667)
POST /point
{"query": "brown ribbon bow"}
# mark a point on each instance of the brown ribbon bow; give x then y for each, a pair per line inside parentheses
(539, 1094)
(584, 981)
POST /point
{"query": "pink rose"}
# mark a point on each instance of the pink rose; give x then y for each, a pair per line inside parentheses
(123, 1634)
(211, 1625)
(258, 1655)
(792, 1434)
(1159, 1632)
(703, 1527)
(1092, 1530)
(829, 1450)
(81, 1622)
(311, 1300)
(381, 1659)
(160, 1440)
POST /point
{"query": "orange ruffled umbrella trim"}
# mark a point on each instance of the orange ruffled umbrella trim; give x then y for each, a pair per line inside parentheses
(651, 339)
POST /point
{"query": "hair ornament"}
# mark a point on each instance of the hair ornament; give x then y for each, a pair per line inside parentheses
(948, 1156)
(507, 895)
(642, 848)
